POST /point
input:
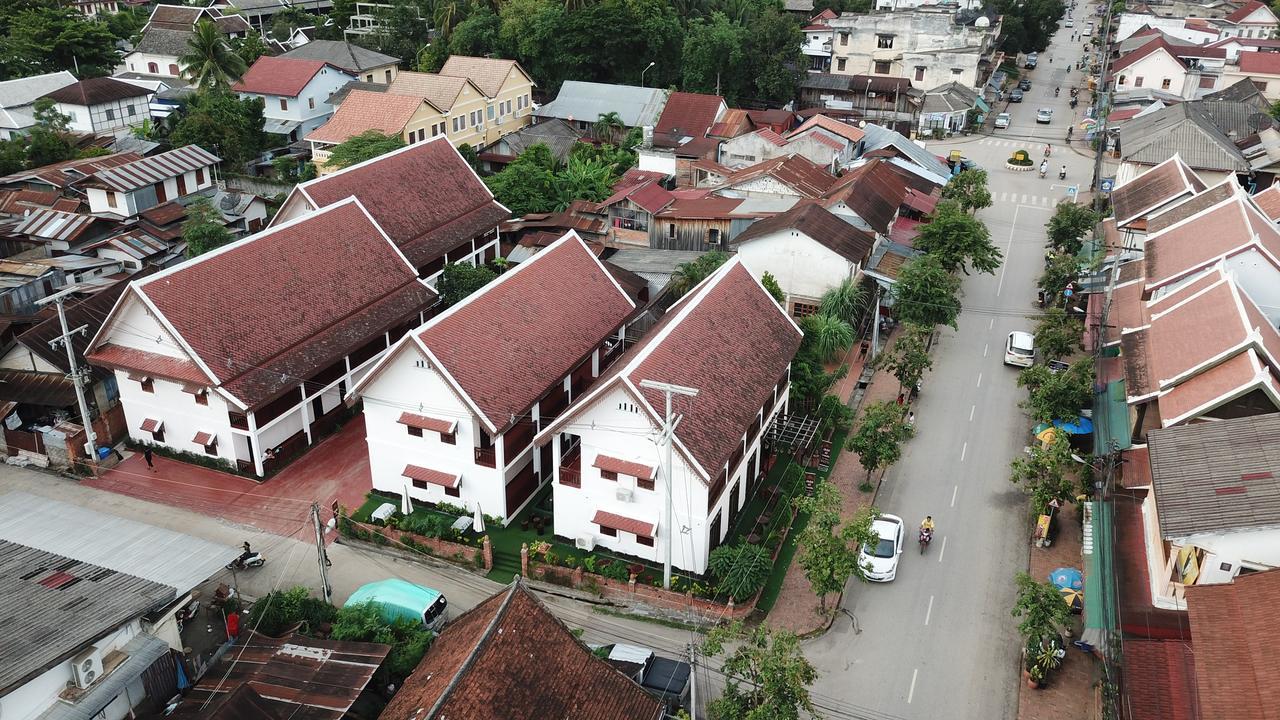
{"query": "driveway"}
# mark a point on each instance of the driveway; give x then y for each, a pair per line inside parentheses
(336, 469)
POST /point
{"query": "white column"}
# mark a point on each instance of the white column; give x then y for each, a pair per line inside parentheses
(306, 412)
(255, 445)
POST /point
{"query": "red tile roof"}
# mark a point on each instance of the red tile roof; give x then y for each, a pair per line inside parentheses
(1261, 63)
(424, 225)
(625, 467)
(649, 195)
(97, 91)
(286, 77)
(771, 136)
(1235, 630)
(1160, 679)
(688, 114)
(873, 190)
(363, 111)
(509, 658)
(146, 363)
(639, 528)
(151, 425)
(1245, 11)
(427, 475)
(1147, 49)
(1161, 185)
(802, 175)
(291, 300)
(848, 132)
(1269, 202)
(702, 207)
(427, 423)
(1227, 229)
(508, 344)
(489, 74)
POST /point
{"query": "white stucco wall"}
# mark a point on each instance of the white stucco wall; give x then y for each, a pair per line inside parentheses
(299, 109)
(803, 267)
(40, 693)
(140, 62)
(1152, 71)
(21, 358)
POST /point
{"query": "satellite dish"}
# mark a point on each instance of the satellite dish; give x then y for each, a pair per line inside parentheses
(982, 22)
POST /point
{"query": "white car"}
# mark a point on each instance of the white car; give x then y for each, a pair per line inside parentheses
(1002, 120)
(881, 561)
(1071, 23)
(1044, 116)
(1020, 349)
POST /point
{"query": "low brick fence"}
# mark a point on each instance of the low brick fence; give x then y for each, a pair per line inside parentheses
(476, 557)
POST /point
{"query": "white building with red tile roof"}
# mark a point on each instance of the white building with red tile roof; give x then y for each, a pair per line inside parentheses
(295, 93)
(452, 410)
(425, 196)
(244, 353)
(729, 339)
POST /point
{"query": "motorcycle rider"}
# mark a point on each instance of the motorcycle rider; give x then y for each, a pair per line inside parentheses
(927, 523)
(1062, 174)
(1044, 167)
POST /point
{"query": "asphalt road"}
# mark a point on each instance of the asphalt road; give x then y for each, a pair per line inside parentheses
(939, 640)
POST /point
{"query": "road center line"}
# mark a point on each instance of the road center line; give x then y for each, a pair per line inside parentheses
(991, 324)
(1005, 266)
(954, 492)
(979, 379)
(986, 347)
(928, 613)
(972, 409)
(912, 692)
(963, 451)
(943, 551)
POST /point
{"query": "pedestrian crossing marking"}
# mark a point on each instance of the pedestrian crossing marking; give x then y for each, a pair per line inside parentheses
(1036, 200)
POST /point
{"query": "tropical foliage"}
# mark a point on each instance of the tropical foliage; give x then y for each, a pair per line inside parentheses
(204, 229)
(1058, 334)
(879, 436)
(926, 294)
(365, 146)
(959, 240)
(209, 61)
(908, 358)
(458, 280)
(831, 336)
(223, 124)
(1068, 225)
(688, 275)
(1058, 395)
(1044, 473)
(740, 569)
(829, 547)
(766, 675)
(45, 36)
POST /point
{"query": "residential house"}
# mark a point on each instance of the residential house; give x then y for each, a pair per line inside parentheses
(512, 641)
(457, 99)
(840, 141)
(899, 5)
(1261, 69)
(1190, 71)
(456, 222)
(64, 176)
(878, 141)
(681, 133)
(1206, 511)
(559, 136)
(253, 379)
(134, 249)
(1190, 131)
(870, 196)
(608, 491)
(1253, 19)
(817, 47)
(102, 105)
(582, 103)
(452, 409)
(366, 65)
(128, 189)
(928, 48)
(1163, 186)
(507, 88)
(407, 116)
(1236, 45)
(1185, 30)
(707, 222)
(765, 144)
(92, 626)
(18, 98)
(295, 93)
(807, 250)
(260, 13)
(630, 210)
(168, 33)
(888, 101)
(947, 109)
(24, 282)
(792, 176)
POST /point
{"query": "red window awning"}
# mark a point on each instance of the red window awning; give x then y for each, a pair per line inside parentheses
(639, 528)
(423, 422)
(206, 439)
(624, 467)
(435, 477)
(152, 425)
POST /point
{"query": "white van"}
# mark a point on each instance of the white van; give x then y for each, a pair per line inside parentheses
(1020, 349)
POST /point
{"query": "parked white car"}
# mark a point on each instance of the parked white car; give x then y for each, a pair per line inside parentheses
(1020, 349)
(881, 561)
(1002, 120)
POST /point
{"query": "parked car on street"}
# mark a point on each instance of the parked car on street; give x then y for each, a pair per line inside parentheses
(1032, 59)
(664, 678)
(1015, 96)
(1024, 84)
(1002, 120)
(882, 558)
(1044, 116)
(1071, 23)
(1020, 349)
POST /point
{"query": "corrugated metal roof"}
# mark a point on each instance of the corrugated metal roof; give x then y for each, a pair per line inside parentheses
(1181, 129)
(54, 606)
(148, 171)
(142, 650)
(587, 101)
(156, 554)
(53, 225)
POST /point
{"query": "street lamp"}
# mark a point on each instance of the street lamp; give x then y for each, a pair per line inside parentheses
(645, 70)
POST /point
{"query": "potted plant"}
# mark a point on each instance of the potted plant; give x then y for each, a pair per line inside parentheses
(1042, 658)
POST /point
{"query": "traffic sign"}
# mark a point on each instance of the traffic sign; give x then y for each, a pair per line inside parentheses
(1107, 185)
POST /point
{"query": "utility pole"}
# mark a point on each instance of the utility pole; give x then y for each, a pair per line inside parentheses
(668, 439)
(321, 556)
(693, 681)
(77, 376)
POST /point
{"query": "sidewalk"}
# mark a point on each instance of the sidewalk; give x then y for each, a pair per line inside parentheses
(797, 607)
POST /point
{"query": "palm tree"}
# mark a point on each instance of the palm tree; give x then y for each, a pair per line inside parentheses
(608, 128)
(831, 336)
(209, 61)
(844, 301)
(446, 16)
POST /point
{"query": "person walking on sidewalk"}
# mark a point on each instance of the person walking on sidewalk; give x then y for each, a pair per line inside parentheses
(146, 455)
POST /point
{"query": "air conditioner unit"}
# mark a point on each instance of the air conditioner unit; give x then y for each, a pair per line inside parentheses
(624, 494)
(585, 542)
(86, 667)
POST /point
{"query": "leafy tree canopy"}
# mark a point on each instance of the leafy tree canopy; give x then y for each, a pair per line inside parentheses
(959, 240)
(1043, 474)
(1058, 334)
(44, 36)
(1068, 226)
(1058, 395)
(1028, 24)
(830, 547)
(209, 62)
(740, 570)
(879, 436)
(365, 146)
(223, 124)
(460, 280)
(926, 294)
(969, 189)
(689, 274)
(203, 229)
(770, 283)
(908, 359)
(767, 676)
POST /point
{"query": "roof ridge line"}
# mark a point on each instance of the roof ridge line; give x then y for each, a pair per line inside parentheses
(471, 656)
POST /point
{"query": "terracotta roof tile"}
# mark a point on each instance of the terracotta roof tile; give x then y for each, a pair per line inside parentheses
(1184, 209)
(805, 177)
(639, 528)
(819, 225)
(1160, 680)
(1269, 201)
(124, 358)
(362, 111)
(649, 195)
(286, 77)
(625, 467)
(509, 658)
(688, 114)
(439, 90)
(292, 300)
(1160, 185)
(1209, 389)
(1195, 244)
(507, 344)
(427, 475)
(843, 130)
(1245, 11)
(489, 74)
(423, 422)
(97, 91)
(424, 225)
(1259, 63)
(1235, 630)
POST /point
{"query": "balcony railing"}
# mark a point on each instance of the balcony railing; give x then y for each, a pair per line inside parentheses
(570, 476)
(486, 457)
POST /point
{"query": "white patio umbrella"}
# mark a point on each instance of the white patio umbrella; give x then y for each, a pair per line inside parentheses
(406, 502)
(477, 523)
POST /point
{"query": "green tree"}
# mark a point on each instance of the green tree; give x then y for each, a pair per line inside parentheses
(1041, 608)
(47, 142)
(879, 437)
(477, 34)
(969, 189)
(1027, 25)
(810, 381)
(908, 359)
(524, 187)
(250, 48)
(1068, 226)
(364, 622)
(460, 280)
(222, 124)
(204, 228)
(287, 19)
(365, 146)
(740, 570)
(1043, 473)
(13, 156)
(831, 336)
(1060, 270)
(713, 57)
(926, 294)
(1058, 395)
(405, 29)
(845, 301)
(773, 53)
(281, 609)
(43, 36)
(829, 549)
(958, 240)
(583, 178)
(689, 274)
(767, 676)
(1058, 334)
(770, 283)
(608, 128)
(209, 61)
(127, 24)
